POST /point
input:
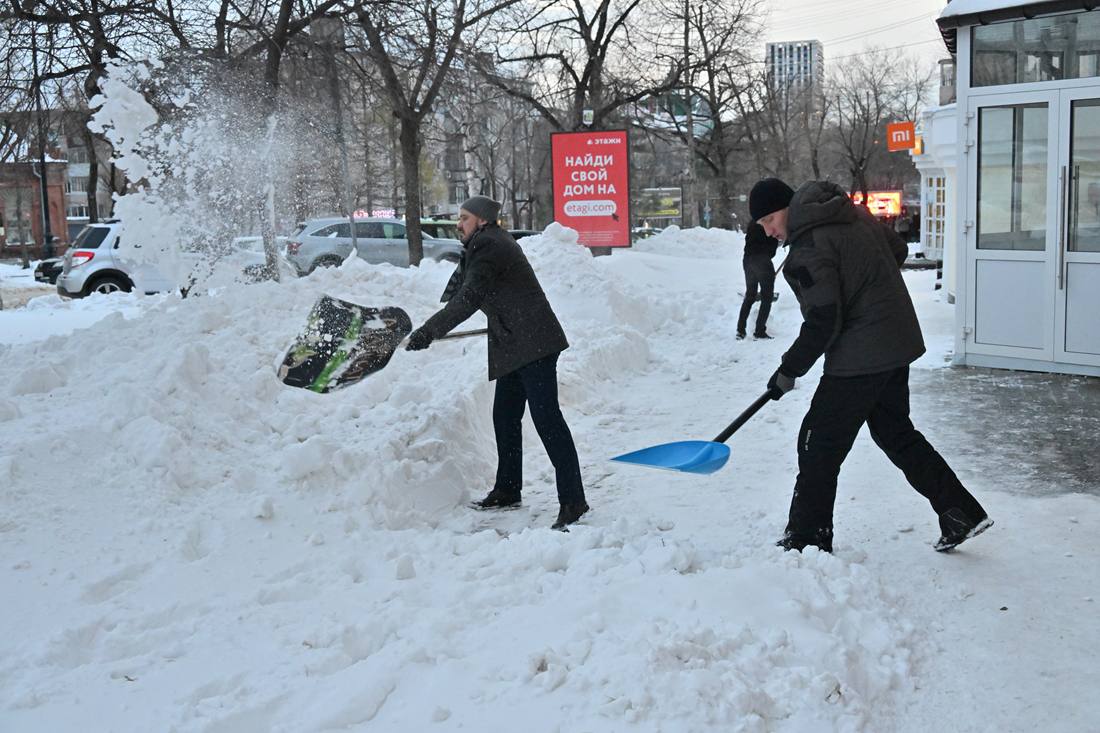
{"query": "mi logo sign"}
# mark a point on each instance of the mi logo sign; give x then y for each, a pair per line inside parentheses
(900, 136)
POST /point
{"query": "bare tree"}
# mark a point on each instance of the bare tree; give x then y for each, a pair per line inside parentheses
(872, 89)
(571, 56)
(413, 43)
(719, 38)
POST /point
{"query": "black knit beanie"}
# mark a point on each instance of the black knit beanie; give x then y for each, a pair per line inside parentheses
(483, 207)
(768, 196)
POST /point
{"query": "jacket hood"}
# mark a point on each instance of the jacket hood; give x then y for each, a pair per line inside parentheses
(815, 204)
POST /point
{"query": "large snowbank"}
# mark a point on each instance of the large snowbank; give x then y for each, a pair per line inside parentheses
(219, 552)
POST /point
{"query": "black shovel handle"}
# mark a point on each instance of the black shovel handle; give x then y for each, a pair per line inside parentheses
(464, 334)
(744, 417)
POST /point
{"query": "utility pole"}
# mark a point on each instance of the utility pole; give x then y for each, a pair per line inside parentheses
(688, 203)
(331, 31)
(47, 236)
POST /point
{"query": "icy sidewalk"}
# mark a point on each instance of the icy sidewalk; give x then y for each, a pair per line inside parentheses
(1038, 431)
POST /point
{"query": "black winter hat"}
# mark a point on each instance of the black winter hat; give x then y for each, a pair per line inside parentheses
(768, 196)
(483, 207)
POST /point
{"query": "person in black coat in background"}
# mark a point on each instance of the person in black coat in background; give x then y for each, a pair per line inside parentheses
(525, 340)
(759, 274)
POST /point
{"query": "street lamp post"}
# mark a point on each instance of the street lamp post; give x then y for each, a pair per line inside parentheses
(47, 235)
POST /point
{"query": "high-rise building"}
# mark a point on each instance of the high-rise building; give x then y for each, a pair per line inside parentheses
(795, 67)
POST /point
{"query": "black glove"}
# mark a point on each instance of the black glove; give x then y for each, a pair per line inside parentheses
(418, 339)
(780, 384)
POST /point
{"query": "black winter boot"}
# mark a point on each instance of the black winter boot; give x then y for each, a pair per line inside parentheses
(568, 514)
(956, 527)
(498, 499)
(822, 539)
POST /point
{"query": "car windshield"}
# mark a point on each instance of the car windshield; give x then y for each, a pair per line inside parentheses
(91, 237)
(440, 229)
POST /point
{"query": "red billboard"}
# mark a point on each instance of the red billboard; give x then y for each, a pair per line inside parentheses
(592, 185)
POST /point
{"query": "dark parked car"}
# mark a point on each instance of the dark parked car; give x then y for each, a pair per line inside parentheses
(521, 233)
(48, 270)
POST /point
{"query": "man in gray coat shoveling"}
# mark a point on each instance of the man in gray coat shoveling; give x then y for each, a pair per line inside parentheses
(844, 268)
(525, 340)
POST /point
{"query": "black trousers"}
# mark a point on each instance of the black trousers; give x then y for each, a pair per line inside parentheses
(536, 385)
(840, 407)
(759, 275)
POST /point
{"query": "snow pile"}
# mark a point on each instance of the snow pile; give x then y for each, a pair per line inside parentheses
(14, 276)
(205, 508)
(694, 242)
(189, 376)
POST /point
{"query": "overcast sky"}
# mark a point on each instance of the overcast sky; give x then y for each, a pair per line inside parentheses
(847, 27)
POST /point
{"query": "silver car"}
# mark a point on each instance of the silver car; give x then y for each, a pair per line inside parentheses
(327, 243)
(94, 264)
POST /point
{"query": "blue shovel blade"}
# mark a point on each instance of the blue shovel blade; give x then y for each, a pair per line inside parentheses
(689, 456)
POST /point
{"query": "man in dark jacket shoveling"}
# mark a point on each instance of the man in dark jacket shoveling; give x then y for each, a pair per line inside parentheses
(844, 268)
(525, 340)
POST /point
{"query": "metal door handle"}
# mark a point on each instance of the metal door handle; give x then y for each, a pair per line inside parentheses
(1063, 205)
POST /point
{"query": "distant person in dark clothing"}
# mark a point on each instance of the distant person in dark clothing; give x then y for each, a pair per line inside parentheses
(844, 268)
(525, 340)
(759, 275)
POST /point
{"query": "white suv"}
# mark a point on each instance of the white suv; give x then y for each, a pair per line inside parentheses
(94, 264)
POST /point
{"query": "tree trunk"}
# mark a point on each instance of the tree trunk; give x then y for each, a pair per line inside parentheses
(265, 203)
(395, 187)
(25, 255)
(341, 143)
(410, 164)
(93, 176)
(724, 208)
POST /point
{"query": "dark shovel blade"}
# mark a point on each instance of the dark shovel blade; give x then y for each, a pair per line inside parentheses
(688, 456)
(342, 343)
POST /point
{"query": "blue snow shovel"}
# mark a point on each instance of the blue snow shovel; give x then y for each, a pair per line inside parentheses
(694, 456)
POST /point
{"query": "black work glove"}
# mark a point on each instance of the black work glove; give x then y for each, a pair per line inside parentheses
(780, 384)
(418, 339)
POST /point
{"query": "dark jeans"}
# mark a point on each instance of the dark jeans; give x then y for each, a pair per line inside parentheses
(535, 384)
(758, 275)
(840, 407)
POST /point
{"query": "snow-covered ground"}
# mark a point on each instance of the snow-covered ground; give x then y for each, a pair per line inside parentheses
(189, 545)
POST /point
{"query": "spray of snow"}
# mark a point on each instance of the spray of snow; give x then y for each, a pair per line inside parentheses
(202, 150)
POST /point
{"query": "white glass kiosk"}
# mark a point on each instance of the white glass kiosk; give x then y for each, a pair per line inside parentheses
(1028, 294)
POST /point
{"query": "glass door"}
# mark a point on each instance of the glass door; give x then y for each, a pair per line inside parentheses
(1077, 298)
(1012, 223)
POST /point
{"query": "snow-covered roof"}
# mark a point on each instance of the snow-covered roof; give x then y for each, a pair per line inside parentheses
(959, 13)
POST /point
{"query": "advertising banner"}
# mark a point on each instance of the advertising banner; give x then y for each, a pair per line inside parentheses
(660, 203)
(880, 203)
(591, 182)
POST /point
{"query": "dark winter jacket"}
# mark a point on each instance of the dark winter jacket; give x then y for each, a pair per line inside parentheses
(844, 268)
(496, 278)
(758, 243)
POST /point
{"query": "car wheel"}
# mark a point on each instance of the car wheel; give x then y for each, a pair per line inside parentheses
(326, 262)
(109, 284)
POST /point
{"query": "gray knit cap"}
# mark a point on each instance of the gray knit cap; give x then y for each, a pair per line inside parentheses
(483, 207)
